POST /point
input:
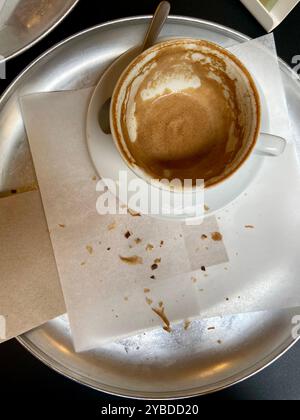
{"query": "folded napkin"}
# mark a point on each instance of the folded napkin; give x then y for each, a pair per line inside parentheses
(30, 292)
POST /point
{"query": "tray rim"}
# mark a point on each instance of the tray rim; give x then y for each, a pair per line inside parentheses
(42, 35)
(66, 372)
(119, 392)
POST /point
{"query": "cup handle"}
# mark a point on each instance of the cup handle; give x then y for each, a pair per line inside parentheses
(270, 145)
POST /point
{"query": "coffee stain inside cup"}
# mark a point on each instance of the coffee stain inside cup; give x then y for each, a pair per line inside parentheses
(186, 110)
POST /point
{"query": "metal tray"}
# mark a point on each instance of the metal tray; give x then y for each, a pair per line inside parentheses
(152, 366)
(24, 22)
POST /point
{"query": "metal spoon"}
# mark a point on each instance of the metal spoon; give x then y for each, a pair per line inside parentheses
(113, 73)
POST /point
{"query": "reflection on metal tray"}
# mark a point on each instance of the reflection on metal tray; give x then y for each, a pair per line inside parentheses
(155, 365)
(24, 22)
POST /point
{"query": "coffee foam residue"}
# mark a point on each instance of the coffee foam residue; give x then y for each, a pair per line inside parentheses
(187, 113)
(179, 78)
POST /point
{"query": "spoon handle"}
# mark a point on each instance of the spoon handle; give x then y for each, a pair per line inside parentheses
(158, 21)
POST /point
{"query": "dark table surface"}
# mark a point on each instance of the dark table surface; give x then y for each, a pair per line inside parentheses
(23, 376)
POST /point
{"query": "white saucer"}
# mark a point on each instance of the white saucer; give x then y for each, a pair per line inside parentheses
(108, 162)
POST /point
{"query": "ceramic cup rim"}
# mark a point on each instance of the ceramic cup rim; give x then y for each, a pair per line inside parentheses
(120, 85)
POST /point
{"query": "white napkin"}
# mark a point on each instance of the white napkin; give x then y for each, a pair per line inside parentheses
(260, 58)
(260, 228)
(106, 297)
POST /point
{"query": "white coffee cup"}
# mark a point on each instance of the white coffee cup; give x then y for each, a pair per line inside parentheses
(122, 106)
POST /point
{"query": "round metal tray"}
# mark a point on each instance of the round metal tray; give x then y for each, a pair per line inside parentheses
(25, 22)
(156, 365)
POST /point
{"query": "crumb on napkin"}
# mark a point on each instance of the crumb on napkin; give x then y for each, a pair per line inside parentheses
(89, 249)
(112, 226)
(133, 213)
(134, 260)
(160, 312)
(149, 301)
(128, 234)
(216, 236)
